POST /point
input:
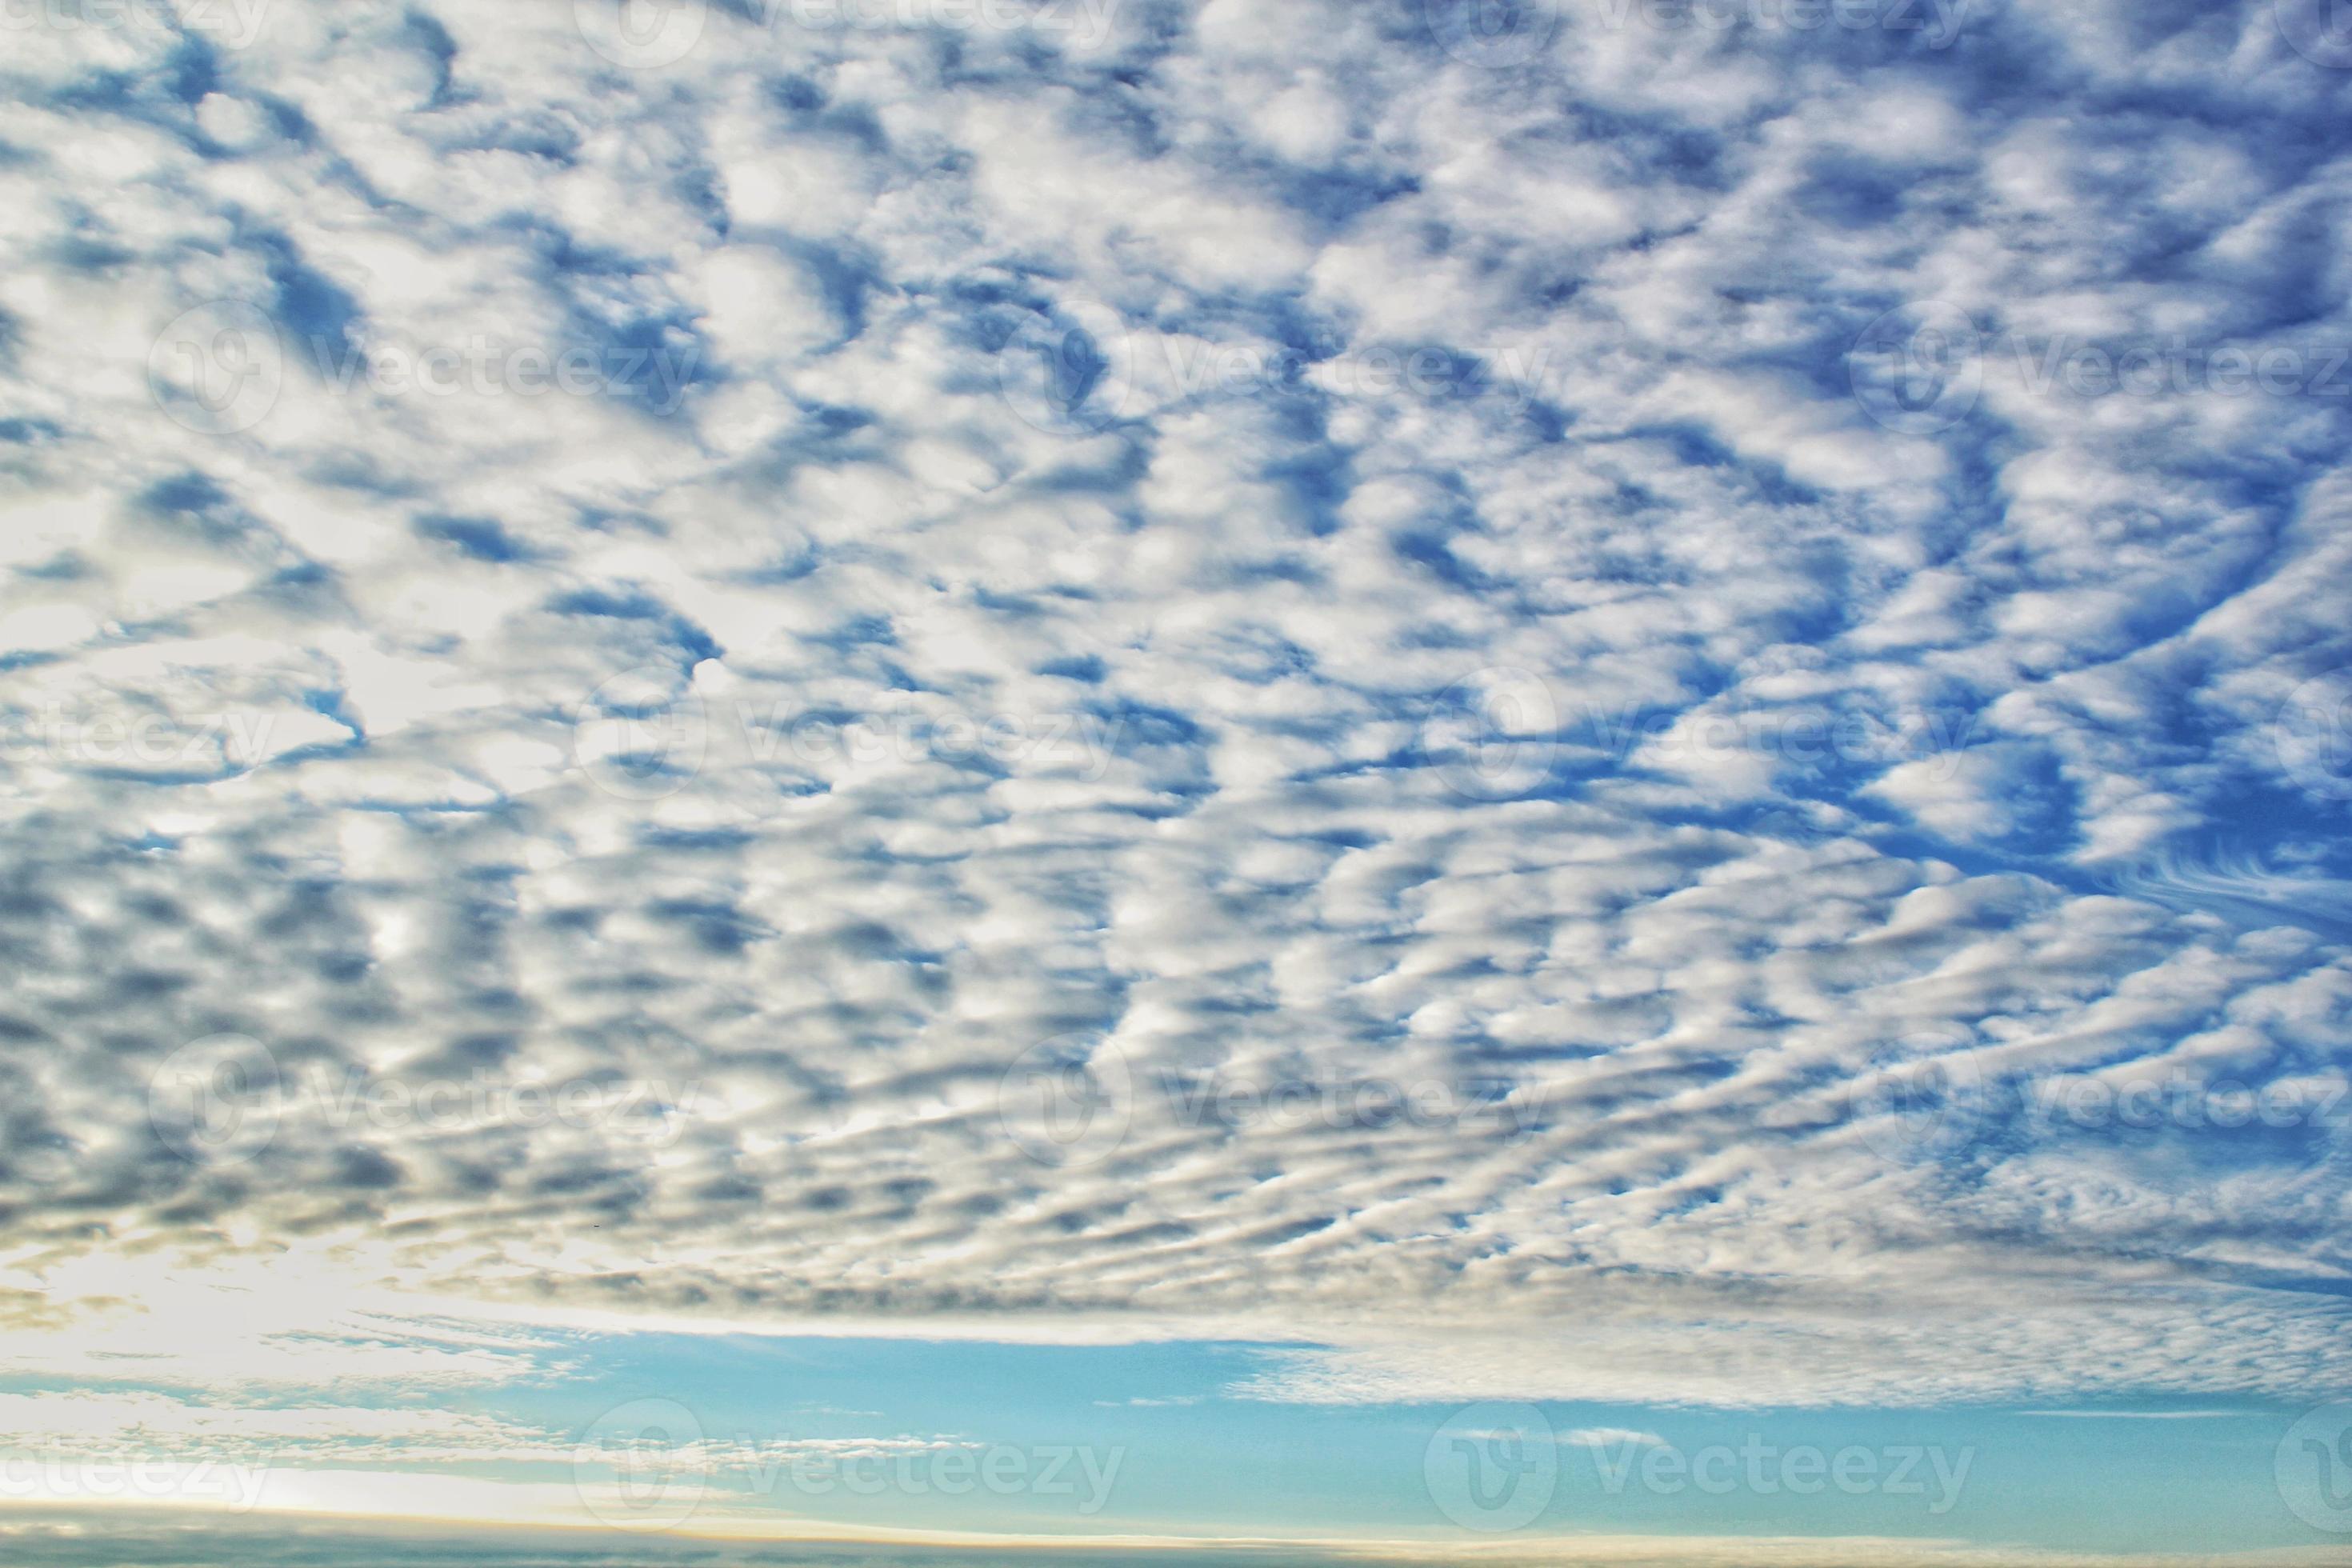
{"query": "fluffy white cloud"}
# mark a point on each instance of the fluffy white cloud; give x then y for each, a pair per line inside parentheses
(1320, 561)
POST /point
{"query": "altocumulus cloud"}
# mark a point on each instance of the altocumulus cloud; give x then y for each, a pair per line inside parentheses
(1667, 614)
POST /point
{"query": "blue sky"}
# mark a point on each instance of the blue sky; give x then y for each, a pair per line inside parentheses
(1557, 780)
(1172, 1441)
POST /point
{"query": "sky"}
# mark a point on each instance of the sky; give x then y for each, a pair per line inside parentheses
(792, 782)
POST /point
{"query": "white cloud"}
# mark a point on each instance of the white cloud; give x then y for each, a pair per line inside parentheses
(1127, 714)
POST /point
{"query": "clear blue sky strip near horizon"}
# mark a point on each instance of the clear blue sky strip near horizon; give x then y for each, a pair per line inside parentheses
(1553, 779)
